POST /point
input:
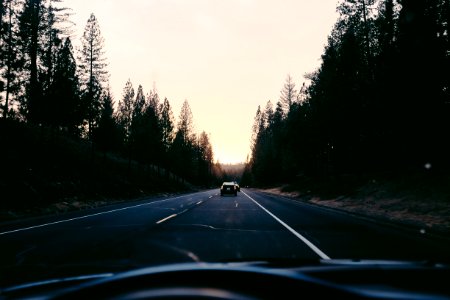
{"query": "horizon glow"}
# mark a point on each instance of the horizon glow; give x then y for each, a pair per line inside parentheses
(224, 57)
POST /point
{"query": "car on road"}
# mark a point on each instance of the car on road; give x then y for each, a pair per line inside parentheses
(228, 188)
(237, 186)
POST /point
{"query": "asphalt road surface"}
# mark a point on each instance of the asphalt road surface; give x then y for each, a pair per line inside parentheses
(200, 227)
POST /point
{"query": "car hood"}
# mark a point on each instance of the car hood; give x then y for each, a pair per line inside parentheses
(388, 279)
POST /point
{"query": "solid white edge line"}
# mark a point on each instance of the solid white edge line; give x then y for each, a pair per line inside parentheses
(301, 237)
(167, 218)
(88, 216)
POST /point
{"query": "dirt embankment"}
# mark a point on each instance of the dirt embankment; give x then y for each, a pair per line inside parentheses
(420, 200)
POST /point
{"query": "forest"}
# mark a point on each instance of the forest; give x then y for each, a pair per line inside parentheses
(54, 98)
(378, 104)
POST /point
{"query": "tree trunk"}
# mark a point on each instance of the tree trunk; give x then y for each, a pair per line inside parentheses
(9, 62)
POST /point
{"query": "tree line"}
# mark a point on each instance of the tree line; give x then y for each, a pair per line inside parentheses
(45, 83)
(380, 100)
(143, 129)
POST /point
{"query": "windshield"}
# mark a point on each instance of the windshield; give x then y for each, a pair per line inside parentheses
(143, 133)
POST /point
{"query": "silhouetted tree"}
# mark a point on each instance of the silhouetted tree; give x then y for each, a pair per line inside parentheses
(31, 28)
(139, 103)
(153, 100)
(167, 124)
(205, 159)
(288, 95)
(93, 73)
(63, 107)
(40, 32)
(258, 124)
(10, 56)
(125, 109)
(106, 134)
(359, 15)
(145, 133)
(182, 150)
(152, 140)
(185, 126)
(51, 40)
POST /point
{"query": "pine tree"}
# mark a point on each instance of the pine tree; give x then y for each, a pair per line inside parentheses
(269, 114)
(40, 36)
(125, 109)
(63, 94)
(205, 158)
(185, 127)
(10, 63)
(144, 130)
(93, 73)
(139, 103)
(31, 28)
(146, 136)
(106, 134)
(358, 15)
(288, 95)
(167, 125)
(54, 20)
(182, 149)
(258, 125)
(153, 100)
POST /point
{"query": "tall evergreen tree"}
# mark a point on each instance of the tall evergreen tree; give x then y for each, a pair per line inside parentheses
(40, 36)
(358, 14)
(31, 28)
(205, 159)
(167, 125)
(9, 53)
(106, 134)
(258, 125)
(185, 127)
(182, 150)
(139, 103)
(63, 96)
(153, 100)
(54, 21)
(145, 134)
(93, 73)
(288, 95)
(125, 109)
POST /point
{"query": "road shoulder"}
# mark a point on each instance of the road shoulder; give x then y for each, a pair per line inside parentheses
(375, 211)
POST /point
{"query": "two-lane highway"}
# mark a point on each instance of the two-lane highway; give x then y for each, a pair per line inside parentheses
(200, 227)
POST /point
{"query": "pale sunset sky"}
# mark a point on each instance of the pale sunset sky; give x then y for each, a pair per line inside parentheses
(225, 57)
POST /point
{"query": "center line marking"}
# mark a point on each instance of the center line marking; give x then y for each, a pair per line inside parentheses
(199, 202)
(301, 237)
(92, 215)
(167, 218)
(236, 204)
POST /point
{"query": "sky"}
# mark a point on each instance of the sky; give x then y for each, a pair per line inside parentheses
(225, 57)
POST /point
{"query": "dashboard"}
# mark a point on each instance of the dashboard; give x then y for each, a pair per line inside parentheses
(338, 279)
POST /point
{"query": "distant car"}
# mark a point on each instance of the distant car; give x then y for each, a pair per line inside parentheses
(237, 186)
(228, 188)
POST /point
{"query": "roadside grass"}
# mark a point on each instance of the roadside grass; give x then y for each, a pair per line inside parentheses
(418, 199)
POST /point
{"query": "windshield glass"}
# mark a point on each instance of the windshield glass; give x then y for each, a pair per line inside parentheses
(143, 133)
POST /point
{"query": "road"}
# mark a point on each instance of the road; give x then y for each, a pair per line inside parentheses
(200, 227)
